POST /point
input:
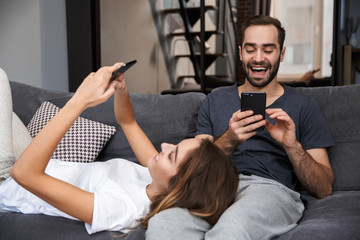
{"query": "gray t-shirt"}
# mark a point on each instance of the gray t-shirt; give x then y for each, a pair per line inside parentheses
(261, 155)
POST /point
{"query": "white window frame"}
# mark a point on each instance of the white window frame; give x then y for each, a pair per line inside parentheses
(319, 60)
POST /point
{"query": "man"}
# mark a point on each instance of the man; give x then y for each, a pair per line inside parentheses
(272, 162)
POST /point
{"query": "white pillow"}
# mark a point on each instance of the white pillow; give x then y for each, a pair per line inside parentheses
(6, 151)
(83, 141)
(21, 136)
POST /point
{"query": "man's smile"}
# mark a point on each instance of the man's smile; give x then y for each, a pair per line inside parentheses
(258, 70)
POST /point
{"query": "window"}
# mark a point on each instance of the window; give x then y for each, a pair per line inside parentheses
(308, 42)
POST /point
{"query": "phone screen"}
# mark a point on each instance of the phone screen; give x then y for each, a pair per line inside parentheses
(255, 101)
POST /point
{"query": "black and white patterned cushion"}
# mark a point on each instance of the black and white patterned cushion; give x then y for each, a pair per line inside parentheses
(84, 140)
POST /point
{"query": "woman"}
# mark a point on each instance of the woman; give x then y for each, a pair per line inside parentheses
(193, 174)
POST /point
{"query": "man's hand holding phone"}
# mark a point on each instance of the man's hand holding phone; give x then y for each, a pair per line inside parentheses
(256, 102)
(242, 126)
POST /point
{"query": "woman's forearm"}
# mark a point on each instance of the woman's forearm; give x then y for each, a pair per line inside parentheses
(95, 89)
(123, 107)
(33, 161)
(139, 142)
(29, 170)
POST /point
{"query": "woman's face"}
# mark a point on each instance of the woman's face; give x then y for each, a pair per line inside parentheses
(164, 165)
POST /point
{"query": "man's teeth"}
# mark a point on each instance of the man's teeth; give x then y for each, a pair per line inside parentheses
(258, 69)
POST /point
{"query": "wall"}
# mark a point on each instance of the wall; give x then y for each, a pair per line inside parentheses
(128, 32)
(33, 42)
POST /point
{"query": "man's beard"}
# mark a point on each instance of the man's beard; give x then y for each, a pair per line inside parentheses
(256, 82)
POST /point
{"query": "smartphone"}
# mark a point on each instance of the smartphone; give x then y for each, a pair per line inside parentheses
(255, 101)
(122, 69)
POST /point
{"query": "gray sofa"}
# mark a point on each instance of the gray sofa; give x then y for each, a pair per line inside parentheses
(171, 118)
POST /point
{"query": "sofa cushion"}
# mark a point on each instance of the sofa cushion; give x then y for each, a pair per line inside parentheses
(21, 136)
(27, 99)
(82, 142)
(341, 108)
(334, 217)
(38, 226)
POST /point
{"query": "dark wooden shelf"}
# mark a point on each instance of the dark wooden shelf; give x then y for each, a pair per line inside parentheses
(206, 55)
(208, 76)
(209, 57)
(190, 9)
(207, 33)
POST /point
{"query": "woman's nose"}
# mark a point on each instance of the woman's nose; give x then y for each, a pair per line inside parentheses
(166, 147)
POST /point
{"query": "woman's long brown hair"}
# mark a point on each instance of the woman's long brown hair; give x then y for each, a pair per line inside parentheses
(206, 185)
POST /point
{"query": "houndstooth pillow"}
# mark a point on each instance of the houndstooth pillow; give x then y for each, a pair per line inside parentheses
(83, 141)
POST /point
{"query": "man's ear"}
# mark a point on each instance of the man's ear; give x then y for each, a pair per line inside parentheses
(240, 53)
(282, 54)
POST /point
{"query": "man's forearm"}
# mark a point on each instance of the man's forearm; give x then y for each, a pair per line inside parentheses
(314, 176)
(225, 144)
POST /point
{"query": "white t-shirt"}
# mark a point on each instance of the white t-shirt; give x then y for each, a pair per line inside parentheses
(119, 188)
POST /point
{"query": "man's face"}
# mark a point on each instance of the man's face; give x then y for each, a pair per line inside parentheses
(261, 55)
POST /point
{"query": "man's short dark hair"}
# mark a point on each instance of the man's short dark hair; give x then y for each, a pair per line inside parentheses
(264, 20)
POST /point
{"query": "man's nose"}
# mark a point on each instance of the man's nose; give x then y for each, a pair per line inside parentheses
(259, 56)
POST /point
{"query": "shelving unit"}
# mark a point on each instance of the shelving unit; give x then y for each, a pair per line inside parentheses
(225, 57)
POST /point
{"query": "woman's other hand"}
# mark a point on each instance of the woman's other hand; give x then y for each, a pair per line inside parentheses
(122, 103)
